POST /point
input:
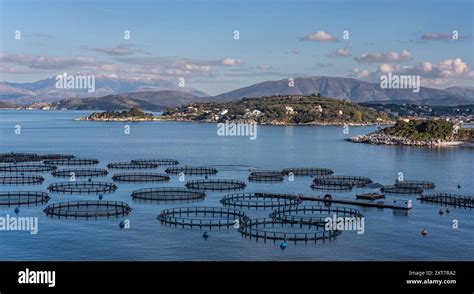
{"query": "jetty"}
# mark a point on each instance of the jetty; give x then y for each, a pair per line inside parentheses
(394, 204)
(449, 199)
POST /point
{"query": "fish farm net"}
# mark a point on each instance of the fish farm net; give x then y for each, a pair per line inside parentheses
(23, 198)
(13, 157)
(80, 173)
(21, 180)
(401, 190)
(449, 199)
(166, 194)
(265, 176)
(82, 187)
(130, 165)
(192, 170)
(216, 185)
(309, 171)
(271, 229)
(72, 161)
(411, 184)
(159, 161)
(312, 215)
(344, 187)
(260, 200)
(56, 156)
(140, 177)
(342, 181)
(88, 209)
(26, 168)
(203, 217)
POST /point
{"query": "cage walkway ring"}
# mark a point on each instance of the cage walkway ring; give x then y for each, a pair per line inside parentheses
(345, 187)
(307, 171)
(27, 168)
(80, 172)
(191, 170)
(342, 181)
(216, 185)
(159, 161)
(203, 217)
(130, 165)
(260, 200)
(72, 161)
(312, 214)
(140, 177)
(167, 194)
(19, 198)
(15, 179)
(270, 229)
(411, 184)
(82, 187)
(87, 209)
(401, 190)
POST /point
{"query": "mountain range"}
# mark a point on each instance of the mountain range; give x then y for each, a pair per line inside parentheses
(117, 93)
(46, 91)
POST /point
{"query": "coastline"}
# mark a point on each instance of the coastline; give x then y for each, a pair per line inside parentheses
(383, 139)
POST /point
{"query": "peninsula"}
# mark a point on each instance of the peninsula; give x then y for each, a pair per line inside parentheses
(435, 132)
(135, 114)
(280, 110)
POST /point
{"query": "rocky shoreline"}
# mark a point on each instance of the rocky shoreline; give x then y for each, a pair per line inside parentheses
(277, 123)
(383, 139)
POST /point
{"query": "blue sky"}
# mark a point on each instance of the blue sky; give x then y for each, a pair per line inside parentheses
(278, 39)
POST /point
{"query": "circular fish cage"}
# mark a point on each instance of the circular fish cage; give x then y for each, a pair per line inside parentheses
(265, 176)
(401, 190)
(23, 198)
(80, 172)
(19, 157)
(159, 161)
(307, 171)
(140, 177)
(312, 215)
(192, 170)
(167, 194)
(27, 168)
(345, 187)
(131, 165)
(260, 200)
(88, 209)
(56, 156)
(203, 217)
(72, 161)
(342, 181)
(82, 187)
(271, 229)
(21, 180)
(414, 184)
(216, 185)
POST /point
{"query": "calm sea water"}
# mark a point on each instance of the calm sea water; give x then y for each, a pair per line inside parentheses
(388, 236)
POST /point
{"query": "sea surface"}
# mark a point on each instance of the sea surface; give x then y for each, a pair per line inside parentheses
(388, 235)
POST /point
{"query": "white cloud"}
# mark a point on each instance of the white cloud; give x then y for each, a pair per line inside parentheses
(391, 56)
(320, 36)
(231, 61)
(342, 52)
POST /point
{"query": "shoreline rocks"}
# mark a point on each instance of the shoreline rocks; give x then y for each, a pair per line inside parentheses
(384, 139)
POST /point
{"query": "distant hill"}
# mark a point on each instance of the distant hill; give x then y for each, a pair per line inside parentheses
(111, 102)
(46, 91)
(280, 110)
(354, 90)
(155, 101)
(7, 105)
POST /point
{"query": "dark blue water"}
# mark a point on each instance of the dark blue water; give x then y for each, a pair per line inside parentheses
(388, 236)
